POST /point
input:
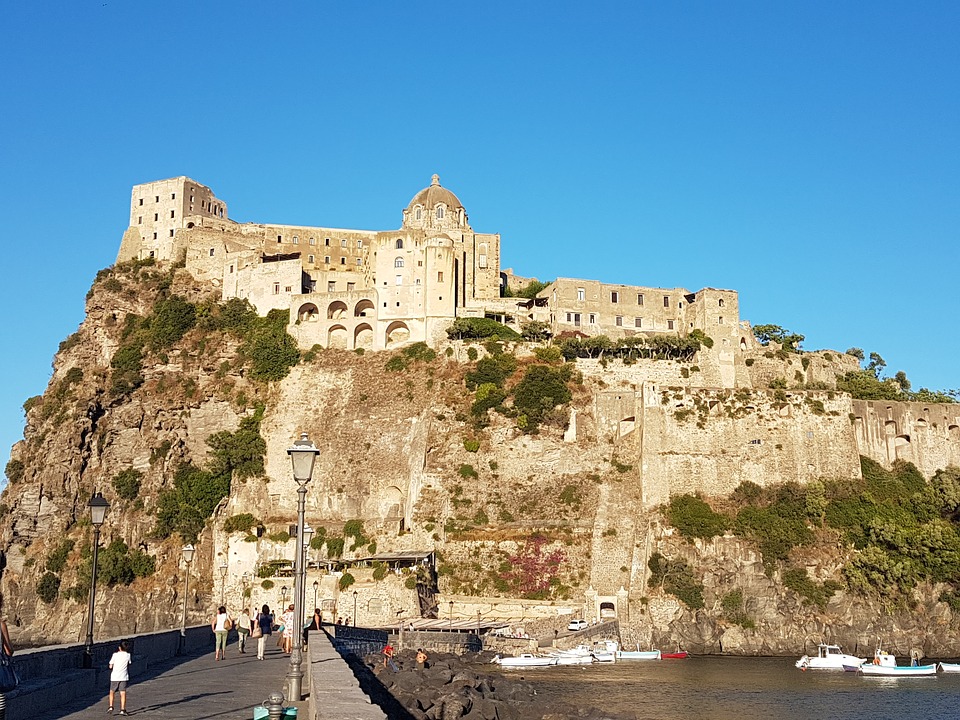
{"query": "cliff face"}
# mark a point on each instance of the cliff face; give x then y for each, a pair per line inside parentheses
(399, 452)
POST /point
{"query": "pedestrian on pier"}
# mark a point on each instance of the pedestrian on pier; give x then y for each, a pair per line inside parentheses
(264, 628)
(288, 630)
(243, 629)
(221, 625)
(120, 676)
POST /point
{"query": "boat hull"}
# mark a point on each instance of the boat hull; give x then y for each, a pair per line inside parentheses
(638, 655)
(897, 670)
(950, 667)
(683, 654)
(525, 661)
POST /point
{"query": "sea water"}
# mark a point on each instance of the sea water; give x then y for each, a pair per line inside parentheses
(713, 688)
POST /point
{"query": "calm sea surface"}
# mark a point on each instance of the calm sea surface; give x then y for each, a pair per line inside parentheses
(744, 689)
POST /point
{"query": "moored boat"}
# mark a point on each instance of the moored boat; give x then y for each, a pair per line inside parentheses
(885, 665)
(678, 655)
(950, 667)
(525, 660)
(606, 651)
(829, 657)
(638, 654)
(580, 655)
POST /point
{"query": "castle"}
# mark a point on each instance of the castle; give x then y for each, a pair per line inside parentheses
(375, 289)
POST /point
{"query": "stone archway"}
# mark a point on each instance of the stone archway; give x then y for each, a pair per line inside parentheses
(363, 337)
(397, 333)
(337, 337)
(337, 310)
(308, 312)
(364, 308)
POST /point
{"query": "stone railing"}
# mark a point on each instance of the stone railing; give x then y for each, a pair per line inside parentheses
(53, 675)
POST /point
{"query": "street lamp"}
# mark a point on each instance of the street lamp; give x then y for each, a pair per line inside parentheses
(451, 614)
(188, 551)
(303, 455)
(316, 586)
(223, 579)
(354, 608)
(98, 511)
(283, 599)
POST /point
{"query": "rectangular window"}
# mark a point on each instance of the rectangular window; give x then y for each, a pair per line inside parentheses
(639, 298)
(296, 240)
(157, 199)
(326, 241)
(231, 269)
(313, 241)
(669, 324)
(343, 243)
(288, 288)
(576, 319)
(593, 319)
(154, 236)
(440, 277)
(614, 297)
(331, 286)
(343, 261)
(171, 233)
(360, 244)
(276, 288)
(140, 220)
(310, 258)
(359, 261)
(581, 294)
(637, 322)
(156, 217)
(279, 238)
(619, 320)
(399, 279)
(172, 212)
(351, 286)
(141, 201)
(666, 301)
(720, 320)
(173, 196)
(326, 259)
(569, 317)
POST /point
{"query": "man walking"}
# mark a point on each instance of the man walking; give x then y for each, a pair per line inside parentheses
(120, 676)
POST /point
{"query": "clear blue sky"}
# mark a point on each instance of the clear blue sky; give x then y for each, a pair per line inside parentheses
(803, 153)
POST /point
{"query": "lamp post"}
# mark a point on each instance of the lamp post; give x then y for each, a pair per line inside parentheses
(283, 599)
(354, 608)
(316, 586)
(451, 614)
(188, 551)
(98, 511)
(223, 580)
(303, 455)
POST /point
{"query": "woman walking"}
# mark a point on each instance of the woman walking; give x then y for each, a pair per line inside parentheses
(221, 625)
(288, 630)
(265, 626)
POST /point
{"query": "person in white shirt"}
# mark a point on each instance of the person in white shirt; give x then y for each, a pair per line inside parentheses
(119, 676)
(243, 629)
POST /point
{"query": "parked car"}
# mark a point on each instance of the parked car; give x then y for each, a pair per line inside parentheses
(577, 625)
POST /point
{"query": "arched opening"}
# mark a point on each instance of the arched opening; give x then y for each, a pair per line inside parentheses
(364, 308)
(400, 242)
(954, 432)
(890, 428)
(337, 310)
(608, 610)
(418, 213)
(189, 225)
(743, 344)
(308, 313)
(363, 337)
(901, 446)
(391, 504)
(398, 262)
(337, 337)
(397, 333)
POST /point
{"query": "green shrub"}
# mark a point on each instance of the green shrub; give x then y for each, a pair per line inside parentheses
(346, 580)
(244, 522)
(14, 471)
(335, 546)
(480, 328)
(471, 445)
(811, 591)
(676, 577)
(270, 350)
(267, 584)
(541, 389)
(492, 370)
(410, 583)
(734, 610)
(380, 571)
(48, 588)
(472, 353)
(57, 558)
(281, 536)
(693, 518)
(127, 483)
(570, 495)
(467, 471)
(172, 318)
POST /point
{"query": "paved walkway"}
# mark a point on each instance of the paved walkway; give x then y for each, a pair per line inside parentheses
(196, 688)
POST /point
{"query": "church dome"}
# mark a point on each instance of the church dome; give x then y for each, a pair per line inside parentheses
(435, 208)
(433, 195)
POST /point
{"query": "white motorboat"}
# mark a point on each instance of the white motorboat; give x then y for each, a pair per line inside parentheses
(580, 655)
(950, 667)
(829, 657)
(606, 651)
(885, 665)
(638, 654)
(525, 660)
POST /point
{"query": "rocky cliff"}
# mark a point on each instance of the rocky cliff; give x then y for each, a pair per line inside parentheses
(180, 409)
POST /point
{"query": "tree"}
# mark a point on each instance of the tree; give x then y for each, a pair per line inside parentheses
(766, 334)
(901, 378)
(876, 364)
(857, 353)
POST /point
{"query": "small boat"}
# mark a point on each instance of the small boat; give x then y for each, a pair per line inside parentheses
(950, 667)
(829, 657)
(678, 655)
(580, 655)
(885, 665)
(638, 654)
(525, 660)
(606, 651)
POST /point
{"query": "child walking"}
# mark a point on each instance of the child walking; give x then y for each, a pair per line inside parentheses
(120, 676)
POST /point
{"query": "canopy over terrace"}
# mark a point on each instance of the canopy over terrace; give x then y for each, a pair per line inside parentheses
(470, 626)
(404, 558)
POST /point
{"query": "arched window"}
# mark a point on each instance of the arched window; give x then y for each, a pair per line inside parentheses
(399, 244)
(439, 212)
(398, 262)
(418, 213)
